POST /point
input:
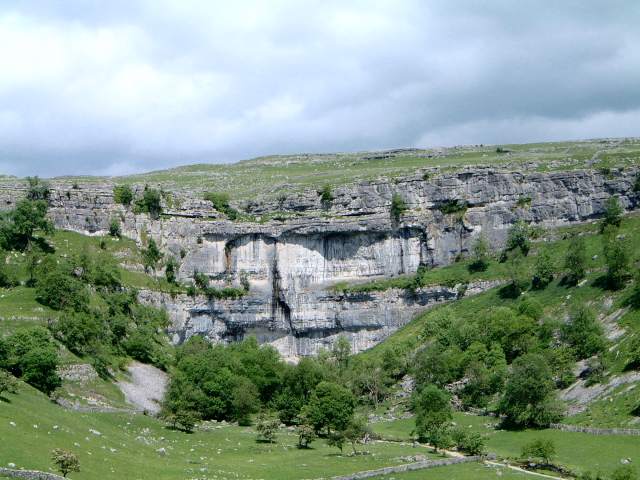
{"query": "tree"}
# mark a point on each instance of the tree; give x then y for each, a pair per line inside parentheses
(330, 407)
(17, 227)
(539, 449)
(220, 202)
(114, 228)
(529, 399)
(583, 333)
(171, 269)
(341, 351)
(617, 258)
(543, 270)
(612, 213)
(306, 435)
(38, 190)
(355, 431)
(186, 419)
(433, 411)
(518, 276)
(480, 255)
(122, 194)
(326, 195)
(336, 439)
(66, 462)
(398, 206)
(151, 255)
(245, 400)
(8, 383)
(59, 290)
(267, 429)
(518, 237)
(471, 443)
(576, 260)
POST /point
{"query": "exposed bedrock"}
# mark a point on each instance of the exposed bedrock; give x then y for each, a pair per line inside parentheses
(290, 263)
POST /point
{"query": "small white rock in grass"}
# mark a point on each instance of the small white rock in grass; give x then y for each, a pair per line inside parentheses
(76, 444)
(11, 465)
(95, 432)
(162, 451)
(13, 424)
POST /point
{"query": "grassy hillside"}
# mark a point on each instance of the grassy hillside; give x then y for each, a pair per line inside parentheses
(275, 175)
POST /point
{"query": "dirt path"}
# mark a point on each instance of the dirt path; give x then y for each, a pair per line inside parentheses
(521, 470)
(146, 388)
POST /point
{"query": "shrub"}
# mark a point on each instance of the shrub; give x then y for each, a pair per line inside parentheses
(66, 462)
(480, 255)
(617, 258)
(17, 227)
(612, 213)
(576, 260)
(171, 269)
(543, 271)
(114, 228)
(519, 237)
(450, 207)
(151, 255)
(539, 449)
(584, 333)
(220, 202)
(306, 435)
(326, 194)
(267, 429)
(38, 190)
(122, 194)
(151, 203)
(8, 383)
(523, 201)
(471, 443)
(59, 290)
(433, 416)
(398, 206)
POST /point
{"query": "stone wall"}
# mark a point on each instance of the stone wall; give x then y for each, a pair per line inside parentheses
(29, 474)
(595, 431)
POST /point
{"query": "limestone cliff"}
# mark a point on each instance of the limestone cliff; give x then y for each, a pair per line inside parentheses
(294, 248)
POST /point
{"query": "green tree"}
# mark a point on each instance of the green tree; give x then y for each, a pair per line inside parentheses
(519, 237)
(617, 258)
(543, 270)
(80, 332)
(114, 228)
(60, 290)
(471, 443)
(341, 351)
(306, 435)
(326, 195)
(355, 431)
(245, 400)
(330, 407)
(38, 190)
(583, 333)
(480, 255)
(267, 429)
(612, 213)
(18, 226)
(432, 407)
(122, 194)
(398, 206)
(8, 383)
(529, 399)
(151, 255)
(539, 450)
(151, 202)
(171, 269)
(66, 462)
(336, 439)
(576, 260)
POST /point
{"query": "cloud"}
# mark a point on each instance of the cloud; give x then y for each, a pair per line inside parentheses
(126, 86)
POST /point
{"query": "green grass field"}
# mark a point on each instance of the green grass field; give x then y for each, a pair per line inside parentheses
(128, 444)
(276, 175)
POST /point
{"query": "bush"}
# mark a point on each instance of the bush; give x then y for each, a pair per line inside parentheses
(617, 258)
(539, 449)
(32, 355)
(583, 333)
(66, 462)
(38, 190)
(326, 195)
(114, 228)
(433, 416)
(122, 194)
(519, 237)
(171, 269)
(398, 207)
(18, 226)
(450, 207)
(151, 255)
(331, 407)
(543, 270)
(576, 260)
(471, 443)
(151, 203)
(612, 213)
(80, 332)
(267, 429)
(8, 383)
(59, 290)
(480, 255)
(528, 399)
(220, 202)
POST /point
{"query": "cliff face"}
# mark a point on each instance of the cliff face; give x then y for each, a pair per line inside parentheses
(291, 262)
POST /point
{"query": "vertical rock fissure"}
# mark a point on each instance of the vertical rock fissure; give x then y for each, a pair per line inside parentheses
(279, 306)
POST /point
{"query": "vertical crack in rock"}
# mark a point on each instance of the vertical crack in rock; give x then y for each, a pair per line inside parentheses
(279, 306)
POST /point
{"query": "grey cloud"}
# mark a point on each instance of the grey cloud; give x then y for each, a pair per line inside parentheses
(110, 87)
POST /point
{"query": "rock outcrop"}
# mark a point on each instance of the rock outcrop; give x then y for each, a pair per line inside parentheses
(293, 250)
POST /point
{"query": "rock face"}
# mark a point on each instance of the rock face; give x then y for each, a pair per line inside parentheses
(294, 249)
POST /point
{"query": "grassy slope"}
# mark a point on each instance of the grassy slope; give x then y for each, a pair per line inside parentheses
(275, 175)
(121, 452)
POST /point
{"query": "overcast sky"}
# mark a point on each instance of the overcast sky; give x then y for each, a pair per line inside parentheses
(122, 86)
